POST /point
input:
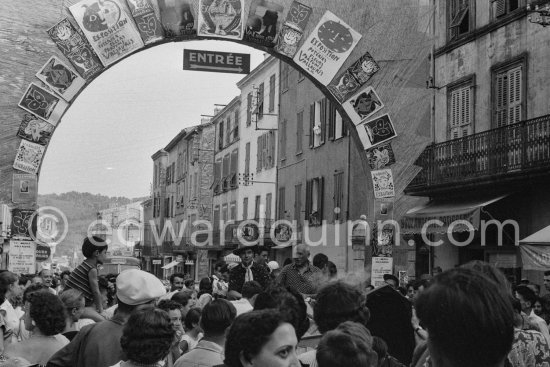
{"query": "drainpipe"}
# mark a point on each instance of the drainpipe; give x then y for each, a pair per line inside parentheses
(432, 71)
(347, 205)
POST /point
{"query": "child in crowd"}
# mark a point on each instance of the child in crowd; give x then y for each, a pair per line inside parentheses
(84, 278)
(193, 331)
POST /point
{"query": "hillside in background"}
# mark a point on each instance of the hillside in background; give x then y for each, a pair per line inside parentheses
(81, 209)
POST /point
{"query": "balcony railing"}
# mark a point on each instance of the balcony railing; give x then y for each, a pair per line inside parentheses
(514, 149)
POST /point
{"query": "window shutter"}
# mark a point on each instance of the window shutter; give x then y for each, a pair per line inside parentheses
(320, 199)
(338, 194)
(234, 163)
(272, 93)
(311, 124)
(344, 126)
(281, 206)
(299, 131)
(259, 155)
(247, 160)
(249, 109)
(502, 98)
(501, 7)
(220, 136)
(323, 119)
(261, 101)
(268, 200)
(272, 138)
(309, 184)
(245, 208)
(282, 141)
(514, 95)
(331, 120)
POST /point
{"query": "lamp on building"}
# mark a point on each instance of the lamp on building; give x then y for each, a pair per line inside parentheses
(542, 11)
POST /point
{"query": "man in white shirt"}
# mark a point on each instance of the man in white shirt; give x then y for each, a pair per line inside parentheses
(250, 291)
(527, 299)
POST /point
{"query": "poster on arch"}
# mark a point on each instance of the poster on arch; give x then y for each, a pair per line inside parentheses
(221, 19)
(35, 130)
(60, 78)
(264, 23)
(147, 20)
(43, 104)
(327, 48)
(108, 27)
(178, 18)
(28, 157)
(293, 28)
(24, 189)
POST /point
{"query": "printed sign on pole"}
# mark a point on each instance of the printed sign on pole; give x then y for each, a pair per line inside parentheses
(76, 48)
(22, 257)
(28, 157)
(377, 131)
(327, 48)
(24, 189)
(109, 28)
(60, 78)
(382, 181)
(43, 104)
(35, 130)
(380, 266)
(221, 19)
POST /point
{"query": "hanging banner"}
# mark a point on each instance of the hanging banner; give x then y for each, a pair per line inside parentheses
(24, 189)
(535, 257)
(264, 23)
(381, 156)
(147, 22)
(22, 257)
(21, 225)
(380, 266)
(177, 18)
(221, 18)
(343, 87)
(76, 49)
(377, 131)
(28, 157)
(327, 48)
(108, 27)
(43, 104)
(35, 130)
(382, 181)
(60, 78)
(363, 104)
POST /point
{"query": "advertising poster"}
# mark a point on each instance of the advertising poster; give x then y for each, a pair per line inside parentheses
(76, 49)
(28, 157)
(221, 18)
(382, 181)
(298, 16)
(24, 189)
(327, 48)
(381, 156)
(35, 130)
(363, 104)
(20, 222)
(60, 78)
(293, 28)
(383, 208)
(382, 244)
(177, 18)
(43, 104)
(353, 78)
(376, 131)
(264, 22)
(22, 257)
(380, 266)
(108, 27)
(364, 68)
(147, 22)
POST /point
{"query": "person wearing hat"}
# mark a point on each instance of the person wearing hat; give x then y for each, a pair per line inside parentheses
(98, 345)
(246, 271)
(391, 280)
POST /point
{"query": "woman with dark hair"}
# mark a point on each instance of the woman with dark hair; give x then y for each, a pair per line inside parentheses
(350, 344)
(10, 290)
(205, 292)
(45, 318)
(261, 339)
(147, 338)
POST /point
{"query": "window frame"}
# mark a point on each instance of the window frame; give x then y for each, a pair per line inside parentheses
(452, 34)
(506, 66)
(466, 82)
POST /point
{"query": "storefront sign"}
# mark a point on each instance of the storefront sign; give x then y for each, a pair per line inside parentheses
(157, 262)
(215, 61)
(380, 266)
(43, 252)
(22, 257)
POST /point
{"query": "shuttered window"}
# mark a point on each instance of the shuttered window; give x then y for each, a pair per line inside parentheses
(249, 109)
(282, 140)
(299, 131)
(459, 17)
(220, 135)
(298, 204)
(234, 168)
(257, 207)
(509, 99)
(261, 101)
(268, 199)
(259, 151)
(284, 76)
(311, 124)
(236, 128)
(233, 210)
(503, 7)
(272, 93)
(314, 201)
(247, 160)
(460, 111)
(281, 199)
(245, 208)
(338, 195)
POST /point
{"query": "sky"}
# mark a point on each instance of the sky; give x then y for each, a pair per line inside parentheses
(104, 142)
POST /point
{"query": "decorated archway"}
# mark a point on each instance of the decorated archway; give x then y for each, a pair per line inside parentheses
(355, 51)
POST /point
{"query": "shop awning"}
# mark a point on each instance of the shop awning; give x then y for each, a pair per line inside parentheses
(231, 258)
(446, 211)
(535, 250)
(171, 265)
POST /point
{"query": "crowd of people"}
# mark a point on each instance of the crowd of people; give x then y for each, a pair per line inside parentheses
(256, 313)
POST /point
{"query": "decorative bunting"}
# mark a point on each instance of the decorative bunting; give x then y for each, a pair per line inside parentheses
(177, 18)
(264, 22)
(381, 156)
(76, 49)
(327, 48)
(60, 78)
(382, 181)
(148, 24)
(35, 130)
(43, 104)
(24, 189)
(109, 28)
(221, 18)
(362, 105)
(377, 131)
(28, 157)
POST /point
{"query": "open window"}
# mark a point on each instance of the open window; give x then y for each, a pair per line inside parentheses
(314, 201)
(460, 15)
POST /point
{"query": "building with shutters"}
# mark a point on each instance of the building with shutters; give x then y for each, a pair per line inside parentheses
(491, 137)
(258, 144)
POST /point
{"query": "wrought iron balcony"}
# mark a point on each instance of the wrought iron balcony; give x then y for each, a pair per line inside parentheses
(512, 151)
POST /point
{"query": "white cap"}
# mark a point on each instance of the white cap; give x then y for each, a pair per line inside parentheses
(273, 265)
(136, 287)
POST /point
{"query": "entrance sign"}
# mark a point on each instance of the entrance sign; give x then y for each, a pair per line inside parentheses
(215, 61)
(380, 266)
(22, 257)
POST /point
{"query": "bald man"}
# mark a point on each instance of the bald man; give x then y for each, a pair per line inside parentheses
(300, 275)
